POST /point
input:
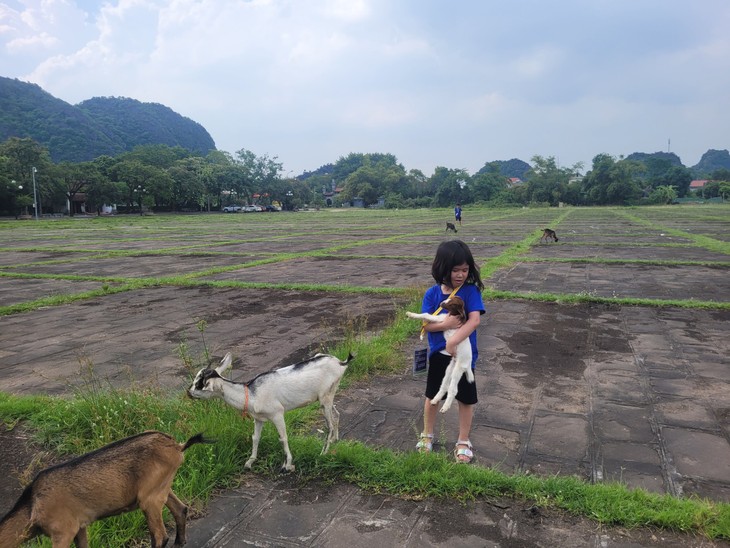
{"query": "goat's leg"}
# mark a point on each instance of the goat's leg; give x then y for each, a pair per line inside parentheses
(257, 426)
(332, 417)
(152, 509)
(280, 424)
(444, 388)
(62, 538)
(179, 511)
(453, 384)
(81, 539)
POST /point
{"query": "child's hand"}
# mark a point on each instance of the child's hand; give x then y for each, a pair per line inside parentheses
(451, 348)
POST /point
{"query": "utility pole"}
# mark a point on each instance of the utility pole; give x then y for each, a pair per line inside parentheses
(36, 204)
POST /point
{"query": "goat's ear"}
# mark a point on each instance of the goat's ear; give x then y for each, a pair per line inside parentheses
(225, 364)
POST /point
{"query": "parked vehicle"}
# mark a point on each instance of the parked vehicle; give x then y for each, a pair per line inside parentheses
(248, 209)
(272, 208)
(232, 209)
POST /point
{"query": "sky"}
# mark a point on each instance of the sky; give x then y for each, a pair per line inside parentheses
(454, 83)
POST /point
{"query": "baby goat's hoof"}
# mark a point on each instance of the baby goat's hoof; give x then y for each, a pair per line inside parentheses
(288, 467)
(248, 464)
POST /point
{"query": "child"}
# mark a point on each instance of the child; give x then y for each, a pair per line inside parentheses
(452, 268)
(457, 214)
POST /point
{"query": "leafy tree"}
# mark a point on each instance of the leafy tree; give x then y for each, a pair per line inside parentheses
(722, 174)
(663, 194)
(484, 186)
(547, 182)
(680, 178)
(611, 181)
(142, 182)
(449, 186)
(77, 178)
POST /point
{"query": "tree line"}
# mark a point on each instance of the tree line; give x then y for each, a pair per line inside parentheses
(164, 178)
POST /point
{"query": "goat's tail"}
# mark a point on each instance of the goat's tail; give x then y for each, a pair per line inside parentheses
(197, 438)
(350, 357)
(15, 526)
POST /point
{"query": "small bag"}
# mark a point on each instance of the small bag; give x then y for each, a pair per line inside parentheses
(420, 360)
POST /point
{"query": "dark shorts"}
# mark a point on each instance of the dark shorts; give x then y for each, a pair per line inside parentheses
(437, 364)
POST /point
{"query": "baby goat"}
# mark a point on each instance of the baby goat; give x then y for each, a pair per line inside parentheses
(135, 472)
(460, 363)
(269, 395)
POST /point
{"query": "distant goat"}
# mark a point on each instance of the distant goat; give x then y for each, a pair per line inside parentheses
(461, 363)
(135, 472)
(269, 395)
(451, 226)
(548, 234)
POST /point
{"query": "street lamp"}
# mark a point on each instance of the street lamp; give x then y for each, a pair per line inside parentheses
(140, 190)
(36, 203)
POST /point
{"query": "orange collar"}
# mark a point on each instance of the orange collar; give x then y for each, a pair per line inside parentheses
(244, 413)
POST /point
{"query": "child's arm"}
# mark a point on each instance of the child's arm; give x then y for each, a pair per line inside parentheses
(449, 322)
(472, 322)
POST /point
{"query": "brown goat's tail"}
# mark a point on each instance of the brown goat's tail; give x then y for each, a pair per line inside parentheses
(197, 438)
(15, 526)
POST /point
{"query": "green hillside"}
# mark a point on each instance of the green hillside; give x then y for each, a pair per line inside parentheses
(95, 127)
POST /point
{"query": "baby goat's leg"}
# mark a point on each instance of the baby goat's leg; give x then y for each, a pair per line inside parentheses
(444, 388)
(280, 424)
(257, 426)
(180, 512)
(454, 379)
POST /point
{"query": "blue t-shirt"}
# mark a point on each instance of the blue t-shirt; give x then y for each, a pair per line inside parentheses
(472, 298)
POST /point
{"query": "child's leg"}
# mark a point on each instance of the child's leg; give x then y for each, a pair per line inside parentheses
(463, 445)
(429, 416)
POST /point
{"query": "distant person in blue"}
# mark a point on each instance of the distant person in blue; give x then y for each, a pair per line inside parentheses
(457, 213)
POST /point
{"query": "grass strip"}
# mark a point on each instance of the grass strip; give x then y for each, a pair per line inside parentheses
(99, 414)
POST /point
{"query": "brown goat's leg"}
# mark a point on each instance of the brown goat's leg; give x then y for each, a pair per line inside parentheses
(179, 511)
(81, 539)
(62, 539)
(153, 512)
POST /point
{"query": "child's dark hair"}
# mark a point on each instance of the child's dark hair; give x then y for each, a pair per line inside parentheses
(450, 254)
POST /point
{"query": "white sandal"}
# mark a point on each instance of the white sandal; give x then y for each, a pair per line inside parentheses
(425, 444)
(465, 452)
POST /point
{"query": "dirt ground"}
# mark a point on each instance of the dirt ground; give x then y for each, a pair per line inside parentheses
(605, 392)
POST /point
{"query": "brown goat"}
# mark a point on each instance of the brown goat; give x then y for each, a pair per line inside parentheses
(548, 234)
(135, 472)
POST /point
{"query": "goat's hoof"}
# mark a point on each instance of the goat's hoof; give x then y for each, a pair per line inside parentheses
(288, 467)
(248, 464)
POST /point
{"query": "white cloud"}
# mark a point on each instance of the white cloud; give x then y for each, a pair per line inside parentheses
(433, 83)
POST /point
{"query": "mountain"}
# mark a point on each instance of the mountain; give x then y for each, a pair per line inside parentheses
(711, 161)
(95, 127)
(508, 168)
(669, 157)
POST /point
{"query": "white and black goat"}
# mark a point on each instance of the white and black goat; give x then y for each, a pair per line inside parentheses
(269, 395)
(461, 363)
(135, 472)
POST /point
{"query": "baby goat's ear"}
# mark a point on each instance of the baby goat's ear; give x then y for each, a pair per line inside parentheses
(225, 364)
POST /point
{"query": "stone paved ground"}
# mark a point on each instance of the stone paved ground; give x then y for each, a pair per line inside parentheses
(638, 394)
